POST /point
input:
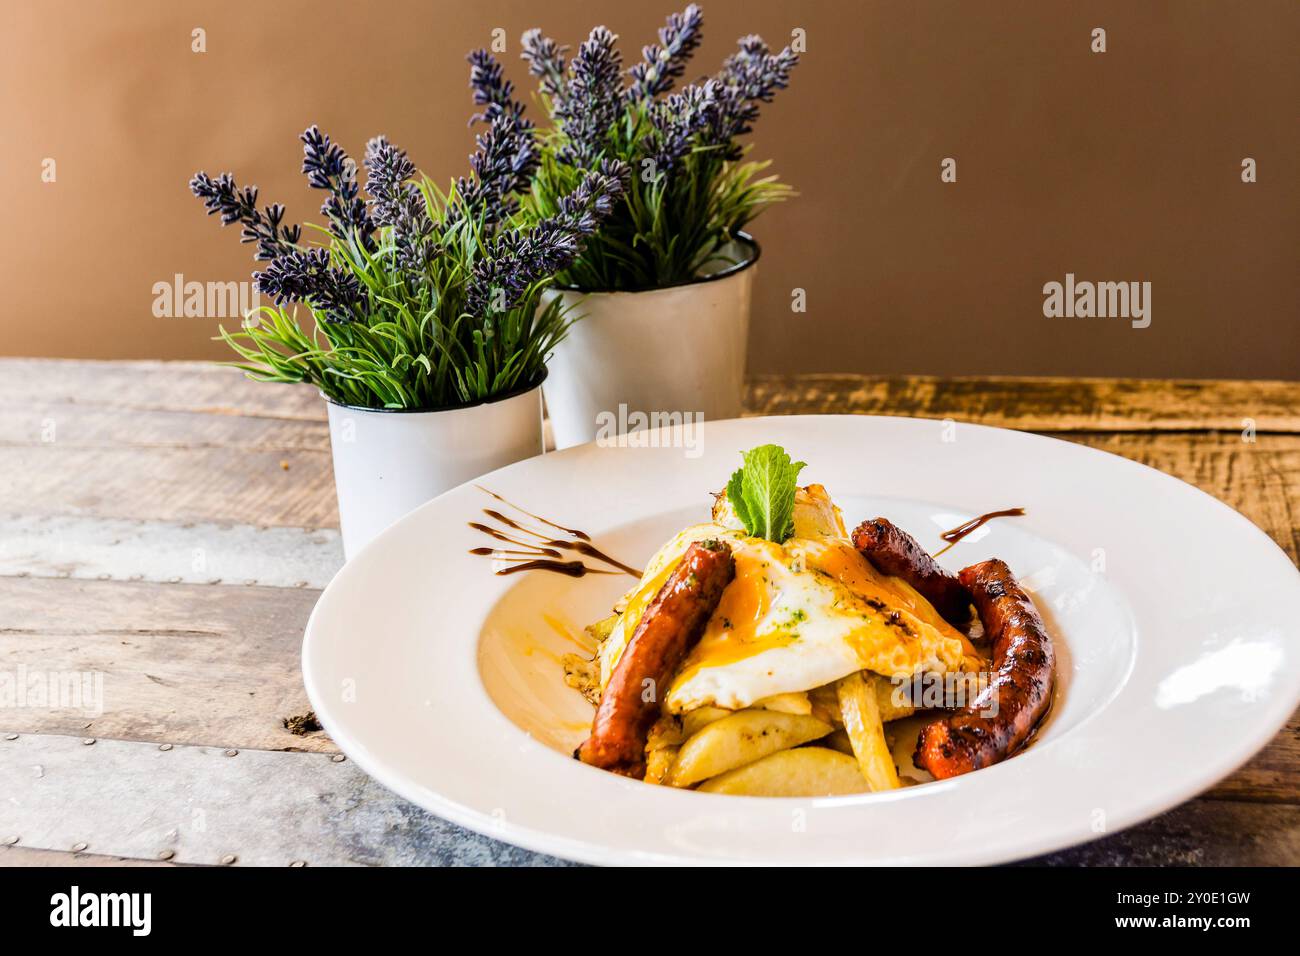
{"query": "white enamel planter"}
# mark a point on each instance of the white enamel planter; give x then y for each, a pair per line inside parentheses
(389, 462)
(631, 356)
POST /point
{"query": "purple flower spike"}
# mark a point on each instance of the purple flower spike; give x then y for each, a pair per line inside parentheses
(593, 98)
(328, 167)
(666, 61)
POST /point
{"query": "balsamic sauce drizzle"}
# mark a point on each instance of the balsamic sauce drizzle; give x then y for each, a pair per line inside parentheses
(573, 532)
(953, 535)
(542, 552)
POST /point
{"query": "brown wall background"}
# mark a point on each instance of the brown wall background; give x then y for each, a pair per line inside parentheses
(1116, 166)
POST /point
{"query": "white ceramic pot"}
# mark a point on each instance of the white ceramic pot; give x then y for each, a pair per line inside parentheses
(389, 462)
(630, 356)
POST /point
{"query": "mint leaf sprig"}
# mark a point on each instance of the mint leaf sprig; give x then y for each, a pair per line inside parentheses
(762, 492)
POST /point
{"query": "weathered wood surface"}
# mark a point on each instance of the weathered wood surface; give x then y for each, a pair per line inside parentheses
(170, 525)
(105, 549)
(204, 805)
(181, 663)
(1038, 404)
(191, 805)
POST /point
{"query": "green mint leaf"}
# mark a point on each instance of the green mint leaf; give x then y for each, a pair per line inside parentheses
(762, 492)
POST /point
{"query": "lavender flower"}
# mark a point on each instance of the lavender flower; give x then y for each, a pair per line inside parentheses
(308, 277)
(517, 260)
(398, 203)
(492, 90)
(503, 166)
(749, 77)
(665, 61)
(221, 195)
(328, 167)
(546, 62)
(677, 120)
(507, 155)
(593, 99)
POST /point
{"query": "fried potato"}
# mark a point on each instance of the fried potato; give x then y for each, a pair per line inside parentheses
(838, 740)
(662, 743)
(795, 702)
(826, 705)
(693, 721)
(741, 738)
(582, 675)
(861, 713)
(600, 630)
(893, 701)
(804, 772)
(658, 762)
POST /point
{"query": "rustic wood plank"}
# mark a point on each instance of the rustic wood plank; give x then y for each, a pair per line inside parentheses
(264, 808)
(67, 425)
(164, 552)
(11, 856)
(153, 386)
(134, 800)
(1272, 775)
(1038, 404)
(179, 663)
(252, 487)
(1198, 833)
(179, 443)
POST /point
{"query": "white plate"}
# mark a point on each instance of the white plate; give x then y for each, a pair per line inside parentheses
(1176, 618)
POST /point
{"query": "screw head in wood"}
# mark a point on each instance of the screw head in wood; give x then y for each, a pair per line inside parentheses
(166, 854)
(298, 864)
(228, 859)
(78, 847)
(9, 841)
(11, 736)
(164, 746)
(88, 741)
(232, 753)
(338, 758)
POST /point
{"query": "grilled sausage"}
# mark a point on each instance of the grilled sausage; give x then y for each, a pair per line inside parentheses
(671, 625)
(1000, 719)
(893, 551)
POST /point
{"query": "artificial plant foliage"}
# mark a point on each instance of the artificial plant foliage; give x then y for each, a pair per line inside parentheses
(692, 188)
(409, 296)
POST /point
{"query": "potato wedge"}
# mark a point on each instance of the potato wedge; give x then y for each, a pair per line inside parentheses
(804, 772)
(741, 738)
(860, 710)
(693, 721)
(795, 702)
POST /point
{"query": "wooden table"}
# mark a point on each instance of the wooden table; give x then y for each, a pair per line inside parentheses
(168, 527)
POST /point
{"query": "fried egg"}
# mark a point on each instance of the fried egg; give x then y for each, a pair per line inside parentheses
(798, 615)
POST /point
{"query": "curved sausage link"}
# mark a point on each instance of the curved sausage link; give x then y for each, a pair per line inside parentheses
(671, 625)
(893, 551)
(1000, 719)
